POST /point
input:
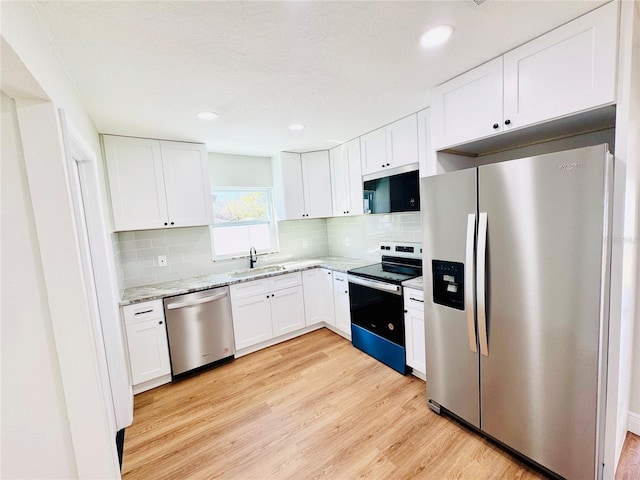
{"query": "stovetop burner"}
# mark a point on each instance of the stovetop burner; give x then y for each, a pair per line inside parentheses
(404, 265)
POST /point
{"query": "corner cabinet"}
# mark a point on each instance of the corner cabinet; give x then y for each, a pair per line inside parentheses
(566, 71)
(395, 145)
(302, 184)
(147, 345)
(157, 184)
(318, 296)
(346, 179)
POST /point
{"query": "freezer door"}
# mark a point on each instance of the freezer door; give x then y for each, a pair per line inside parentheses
(449, 205)
(546, 264)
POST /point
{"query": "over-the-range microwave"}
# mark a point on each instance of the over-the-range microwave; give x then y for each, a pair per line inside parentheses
(394, 190)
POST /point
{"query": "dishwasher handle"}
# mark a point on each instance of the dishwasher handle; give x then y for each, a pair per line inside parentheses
(218, 296)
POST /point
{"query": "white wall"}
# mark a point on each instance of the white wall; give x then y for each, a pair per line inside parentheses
(239, 171)
(35, 441)
(54, 344)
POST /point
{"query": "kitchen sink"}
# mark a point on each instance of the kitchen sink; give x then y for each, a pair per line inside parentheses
(249, 272)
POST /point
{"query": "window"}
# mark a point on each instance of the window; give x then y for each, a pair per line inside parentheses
(242, 218)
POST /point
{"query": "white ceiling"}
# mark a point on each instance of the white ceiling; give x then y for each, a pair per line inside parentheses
(340, 68)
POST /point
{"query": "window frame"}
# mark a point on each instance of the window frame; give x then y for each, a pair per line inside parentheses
(272, 222)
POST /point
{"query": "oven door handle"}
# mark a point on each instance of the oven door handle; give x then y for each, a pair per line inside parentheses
(385, 287)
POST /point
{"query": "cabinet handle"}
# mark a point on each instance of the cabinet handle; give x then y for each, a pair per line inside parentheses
(388, 164)
(159, 323)
(267, 296)
(328, 273)
(406, 311)
(495, 125)
(165, 224)
(171, 223)
(346, 291)
(143, 312)
(507, 122)
(416, 299)
(383, 165)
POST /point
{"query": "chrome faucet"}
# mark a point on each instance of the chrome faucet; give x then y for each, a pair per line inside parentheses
(252, 259)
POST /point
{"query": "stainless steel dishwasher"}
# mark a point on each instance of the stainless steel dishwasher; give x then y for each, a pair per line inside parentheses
(200, 328)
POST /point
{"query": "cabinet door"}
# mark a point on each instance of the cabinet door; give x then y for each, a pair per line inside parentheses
(186, 180)
(316, 179)
(354, 176)
(318, 296)
(292, 190)
(339, 180)
(569, 69)
(148, 350)
(426, 153)
(251, 320)
(287, 310)
(373, 148)
(136, 182)
(341, 301)
(414, 339)
(402, 141)
(468, 107)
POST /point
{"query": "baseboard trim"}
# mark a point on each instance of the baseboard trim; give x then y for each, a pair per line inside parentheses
(633, 422)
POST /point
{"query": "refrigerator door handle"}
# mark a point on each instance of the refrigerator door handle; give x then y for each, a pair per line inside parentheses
(480, 283)
(469, 277)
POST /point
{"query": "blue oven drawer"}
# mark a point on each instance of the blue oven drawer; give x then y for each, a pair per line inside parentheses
(380, 348)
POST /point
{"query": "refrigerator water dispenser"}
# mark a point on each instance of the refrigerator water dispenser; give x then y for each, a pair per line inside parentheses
(448, 283)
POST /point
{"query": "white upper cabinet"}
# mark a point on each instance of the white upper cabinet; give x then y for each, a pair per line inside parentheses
(402, 142)
(346, 179)
(316, 178)
(392, 146)
(426, 154)
(157, 184)
(373, 148)
(302, 185)
(568, 70)
(469, 106)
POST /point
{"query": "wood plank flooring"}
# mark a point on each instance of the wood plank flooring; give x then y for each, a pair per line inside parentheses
(310, 408)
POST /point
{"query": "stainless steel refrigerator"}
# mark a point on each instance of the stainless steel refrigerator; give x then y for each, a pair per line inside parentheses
(516, 270)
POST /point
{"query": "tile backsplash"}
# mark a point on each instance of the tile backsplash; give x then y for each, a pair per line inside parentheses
(188, 250)
(360, 236)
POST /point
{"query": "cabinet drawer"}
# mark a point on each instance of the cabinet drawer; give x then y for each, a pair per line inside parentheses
(285, 281)
(248, 289)
(141, 312)
(413, 299)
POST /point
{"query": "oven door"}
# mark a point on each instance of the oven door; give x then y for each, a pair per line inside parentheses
(377, 307)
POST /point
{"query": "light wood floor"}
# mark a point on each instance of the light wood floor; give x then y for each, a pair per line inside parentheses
(311, 408)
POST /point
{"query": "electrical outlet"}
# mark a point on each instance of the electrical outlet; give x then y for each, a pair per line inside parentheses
(305, 244)
(162, 260)
(346, 241)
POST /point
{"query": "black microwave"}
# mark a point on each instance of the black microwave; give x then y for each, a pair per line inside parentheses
(392, 193)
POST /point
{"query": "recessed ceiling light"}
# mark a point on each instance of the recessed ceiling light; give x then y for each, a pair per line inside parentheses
(296, 126)
(207, 115)
(436, 36)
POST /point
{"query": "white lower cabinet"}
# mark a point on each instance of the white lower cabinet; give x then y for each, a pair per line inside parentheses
(268, 308)
(147, 345)
(414, 330)
(318, 296)
(287, 310)
(251, 320)
(341, 303)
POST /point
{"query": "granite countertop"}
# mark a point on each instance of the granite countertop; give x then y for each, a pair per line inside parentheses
(195, 284)
(416, 283)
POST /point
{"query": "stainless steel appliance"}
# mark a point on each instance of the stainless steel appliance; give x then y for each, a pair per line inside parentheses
(394, 190)
(199, 328)
(376, 304)
(516, 259)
